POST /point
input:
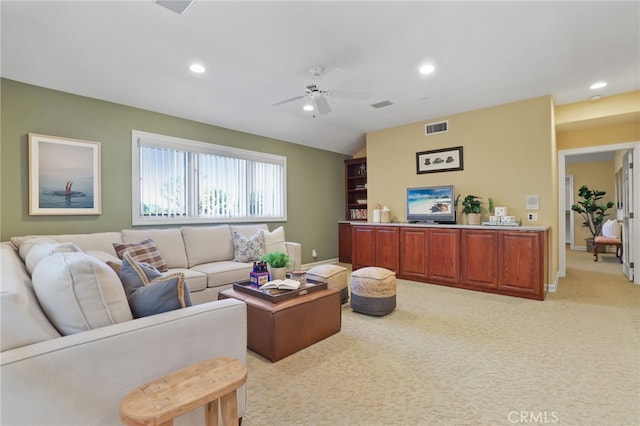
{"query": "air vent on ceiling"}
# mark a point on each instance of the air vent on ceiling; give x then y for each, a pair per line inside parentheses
(177, 6)
(434, 128)
(382, 104)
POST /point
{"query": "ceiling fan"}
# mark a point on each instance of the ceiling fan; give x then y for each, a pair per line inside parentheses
(318, 96)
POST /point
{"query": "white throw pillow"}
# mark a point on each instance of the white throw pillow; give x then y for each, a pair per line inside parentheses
(25, 244)
(612, 229)
(274, 241)
(78, 292)
(41, 250)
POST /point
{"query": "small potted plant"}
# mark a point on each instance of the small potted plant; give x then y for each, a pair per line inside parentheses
(278, 262)
(591, 211)
(472, 207)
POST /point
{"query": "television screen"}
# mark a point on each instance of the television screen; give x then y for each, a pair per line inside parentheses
(431, 204)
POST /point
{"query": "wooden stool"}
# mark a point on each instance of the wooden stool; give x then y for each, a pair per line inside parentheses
(203, 384)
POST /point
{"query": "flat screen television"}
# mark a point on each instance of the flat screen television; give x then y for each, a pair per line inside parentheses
(431, 204)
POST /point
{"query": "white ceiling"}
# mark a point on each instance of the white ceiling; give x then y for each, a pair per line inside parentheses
(256, 53)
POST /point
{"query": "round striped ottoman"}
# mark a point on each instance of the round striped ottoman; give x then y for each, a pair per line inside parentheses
(334, 275)
(373, 290)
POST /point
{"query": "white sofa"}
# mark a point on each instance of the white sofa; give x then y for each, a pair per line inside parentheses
(80, 379)
(204, 254)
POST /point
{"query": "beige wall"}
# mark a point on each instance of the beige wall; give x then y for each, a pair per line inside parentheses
(315, 177)
(613, 119)
(509, 153)
(596, 175)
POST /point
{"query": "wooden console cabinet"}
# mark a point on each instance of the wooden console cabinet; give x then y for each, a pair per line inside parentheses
(511, 261)
(344, 242)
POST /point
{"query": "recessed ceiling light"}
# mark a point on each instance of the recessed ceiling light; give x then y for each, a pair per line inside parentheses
(427, 69)
(308, 107)
(197, 68)
(598, 85)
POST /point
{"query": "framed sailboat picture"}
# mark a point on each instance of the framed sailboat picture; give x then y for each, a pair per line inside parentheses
(64, 176)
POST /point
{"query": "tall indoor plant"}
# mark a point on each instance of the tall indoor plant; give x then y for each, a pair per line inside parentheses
(591, 211)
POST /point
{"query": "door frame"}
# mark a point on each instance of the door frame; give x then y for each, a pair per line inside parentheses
(562, 154)
(572, 235)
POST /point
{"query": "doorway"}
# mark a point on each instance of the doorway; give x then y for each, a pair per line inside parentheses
(633, 230)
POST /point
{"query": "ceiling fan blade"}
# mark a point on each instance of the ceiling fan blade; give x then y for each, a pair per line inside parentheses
(295, 98)
(346, 94)
(322, 105)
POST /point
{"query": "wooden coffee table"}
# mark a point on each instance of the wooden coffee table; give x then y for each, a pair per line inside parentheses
(277, 330)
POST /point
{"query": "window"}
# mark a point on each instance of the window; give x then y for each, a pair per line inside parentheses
(182, 181)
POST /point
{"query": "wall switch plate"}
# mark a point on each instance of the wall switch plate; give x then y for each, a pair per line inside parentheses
(532, 217)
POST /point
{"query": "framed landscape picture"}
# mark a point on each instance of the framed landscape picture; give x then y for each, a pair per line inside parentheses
(64, 176)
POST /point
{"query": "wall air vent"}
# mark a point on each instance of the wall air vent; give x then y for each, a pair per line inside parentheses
(382, 104)
(177, 6)
(434, 128)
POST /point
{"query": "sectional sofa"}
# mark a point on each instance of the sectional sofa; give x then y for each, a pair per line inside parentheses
(52, 377)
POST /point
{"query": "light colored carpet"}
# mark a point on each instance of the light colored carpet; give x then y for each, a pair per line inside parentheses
(456, 357)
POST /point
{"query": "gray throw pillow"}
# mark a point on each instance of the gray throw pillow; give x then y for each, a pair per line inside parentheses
(149, 292)
(248, 249)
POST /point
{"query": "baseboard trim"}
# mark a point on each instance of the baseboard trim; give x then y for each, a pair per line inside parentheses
(321, 262)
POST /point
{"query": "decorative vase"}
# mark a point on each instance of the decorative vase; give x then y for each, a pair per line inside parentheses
(278, 273)
(473, 218)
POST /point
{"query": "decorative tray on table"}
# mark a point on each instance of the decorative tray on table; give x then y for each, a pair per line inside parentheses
(274, 295)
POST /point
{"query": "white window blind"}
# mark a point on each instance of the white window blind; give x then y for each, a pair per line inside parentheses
(183, 181)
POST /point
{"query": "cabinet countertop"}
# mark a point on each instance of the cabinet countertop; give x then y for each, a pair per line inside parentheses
(427, 225)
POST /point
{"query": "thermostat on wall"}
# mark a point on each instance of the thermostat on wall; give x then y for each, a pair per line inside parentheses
(533, 202)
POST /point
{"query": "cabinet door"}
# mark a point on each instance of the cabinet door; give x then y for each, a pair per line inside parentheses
(479, 257)
(522, 263)
(344, 242)
(444, 256)
(413, 258)
(363, 247)
(387, 246)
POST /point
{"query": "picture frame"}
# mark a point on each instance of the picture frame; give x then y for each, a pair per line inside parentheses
(439, 160)
(64, 176)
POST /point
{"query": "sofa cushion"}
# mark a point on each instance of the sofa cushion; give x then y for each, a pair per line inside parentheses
(25, 244)
(41, 250)
(79, 293)
(97, 241)
(149, 292)
(224, 272)
(248, 230)
(248, 249)
(169, 241)
(23, 321)
(205, 244)
(274, 241)
(196, 281)
(145, 251)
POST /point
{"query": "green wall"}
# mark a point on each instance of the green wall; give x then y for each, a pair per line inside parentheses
(315, 181)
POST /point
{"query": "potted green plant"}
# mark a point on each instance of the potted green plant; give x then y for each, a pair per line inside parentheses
(591, 211)
(472, 207)
(278, 262)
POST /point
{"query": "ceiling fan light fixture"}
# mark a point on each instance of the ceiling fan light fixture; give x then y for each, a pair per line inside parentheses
(308, 107)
